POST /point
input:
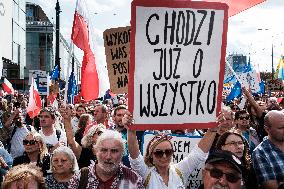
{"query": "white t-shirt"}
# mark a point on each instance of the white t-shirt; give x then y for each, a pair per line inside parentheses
(52, 139)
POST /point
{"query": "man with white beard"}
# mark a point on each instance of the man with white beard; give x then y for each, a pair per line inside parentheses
(108, 171)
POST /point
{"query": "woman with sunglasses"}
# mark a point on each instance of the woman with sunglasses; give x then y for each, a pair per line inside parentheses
(156, 168)
(234, 142)
(83, 151)
(36, 152)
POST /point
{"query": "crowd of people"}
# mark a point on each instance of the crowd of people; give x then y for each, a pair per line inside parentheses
(91, 145)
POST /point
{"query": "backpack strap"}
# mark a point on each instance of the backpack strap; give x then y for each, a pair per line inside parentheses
(10, 138)
(58, 133)
(84, 177)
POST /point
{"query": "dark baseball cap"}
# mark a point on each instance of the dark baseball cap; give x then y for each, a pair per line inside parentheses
(225, 156)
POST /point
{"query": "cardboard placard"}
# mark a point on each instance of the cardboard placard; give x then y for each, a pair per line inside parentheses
(117, 47)
(182, 146)
(275, 85)
(177, 63)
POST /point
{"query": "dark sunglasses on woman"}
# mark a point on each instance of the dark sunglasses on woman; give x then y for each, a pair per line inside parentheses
(160, 153)
(30, 142)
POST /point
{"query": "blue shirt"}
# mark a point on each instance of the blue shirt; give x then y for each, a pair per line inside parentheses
(268, 162)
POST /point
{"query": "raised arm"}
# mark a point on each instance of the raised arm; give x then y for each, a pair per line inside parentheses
(206, 142)
(258, 109)
(133, 146)
(10, 120)
(76, 148)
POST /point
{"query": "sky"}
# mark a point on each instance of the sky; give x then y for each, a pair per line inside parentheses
(252, 32)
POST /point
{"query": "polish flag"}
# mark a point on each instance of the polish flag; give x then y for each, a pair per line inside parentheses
(34, 106)
(7, 86)
(81, 38)
(237, 6)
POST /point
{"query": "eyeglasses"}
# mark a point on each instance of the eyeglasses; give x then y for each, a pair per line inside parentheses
(217, 174)
(244, 118)
(160, 153)
(30, 142)
(237, 143)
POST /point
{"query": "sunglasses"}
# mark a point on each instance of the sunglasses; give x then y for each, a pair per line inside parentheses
(30, 142)
(217, 174)
(244, 118)
(160, 153)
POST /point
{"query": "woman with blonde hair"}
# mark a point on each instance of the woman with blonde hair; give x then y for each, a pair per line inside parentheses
(25, 176)
(156, 168)
(36, 152)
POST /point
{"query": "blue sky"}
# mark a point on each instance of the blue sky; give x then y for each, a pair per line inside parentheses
(243, 34)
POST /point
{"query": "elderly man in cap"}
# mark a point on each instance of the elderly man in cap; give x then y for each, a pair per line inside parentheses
(222, 170)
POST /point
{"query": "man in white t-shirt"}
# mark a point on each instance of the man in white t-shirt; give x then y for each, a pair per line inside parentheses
(51, 136)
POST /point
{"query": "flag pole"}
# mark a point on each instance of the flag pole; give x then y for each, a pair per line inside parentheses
(67, 74)
(68, 63)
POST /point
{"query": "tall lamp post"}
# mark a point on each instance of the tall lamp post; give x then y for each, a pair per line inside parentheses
(272, 63)
(57, 57)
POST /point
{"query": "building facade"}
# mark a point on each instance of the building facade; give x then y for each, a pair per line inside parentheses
(13, 40)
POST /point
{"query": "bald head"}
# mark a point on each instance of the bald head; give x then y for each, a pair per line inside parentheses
(273, 117)
(274, 126)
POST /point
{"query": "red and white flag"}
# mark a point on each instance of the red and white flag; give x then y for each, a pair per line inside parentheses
(7, 86)
(81, 38)
(34, 106)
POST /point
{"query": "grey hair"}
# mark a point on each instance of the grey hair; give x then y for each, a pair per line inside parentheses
(87, 140)
(110, 135)
(66, 150)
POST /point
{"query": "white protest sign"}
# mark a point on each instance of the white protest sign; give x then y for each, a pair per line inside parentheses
(41, 80)
(182, 146)
(177, 63)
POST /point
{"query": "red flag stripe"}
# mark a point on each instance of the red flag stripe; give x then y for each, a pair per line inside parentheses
(80, 37)
(237, 6)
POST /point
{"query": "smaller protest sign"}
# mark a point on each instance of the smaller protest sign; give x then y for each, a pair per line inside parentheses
(41, 80)
(182, 145)
(117, 43)
(275, 85)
